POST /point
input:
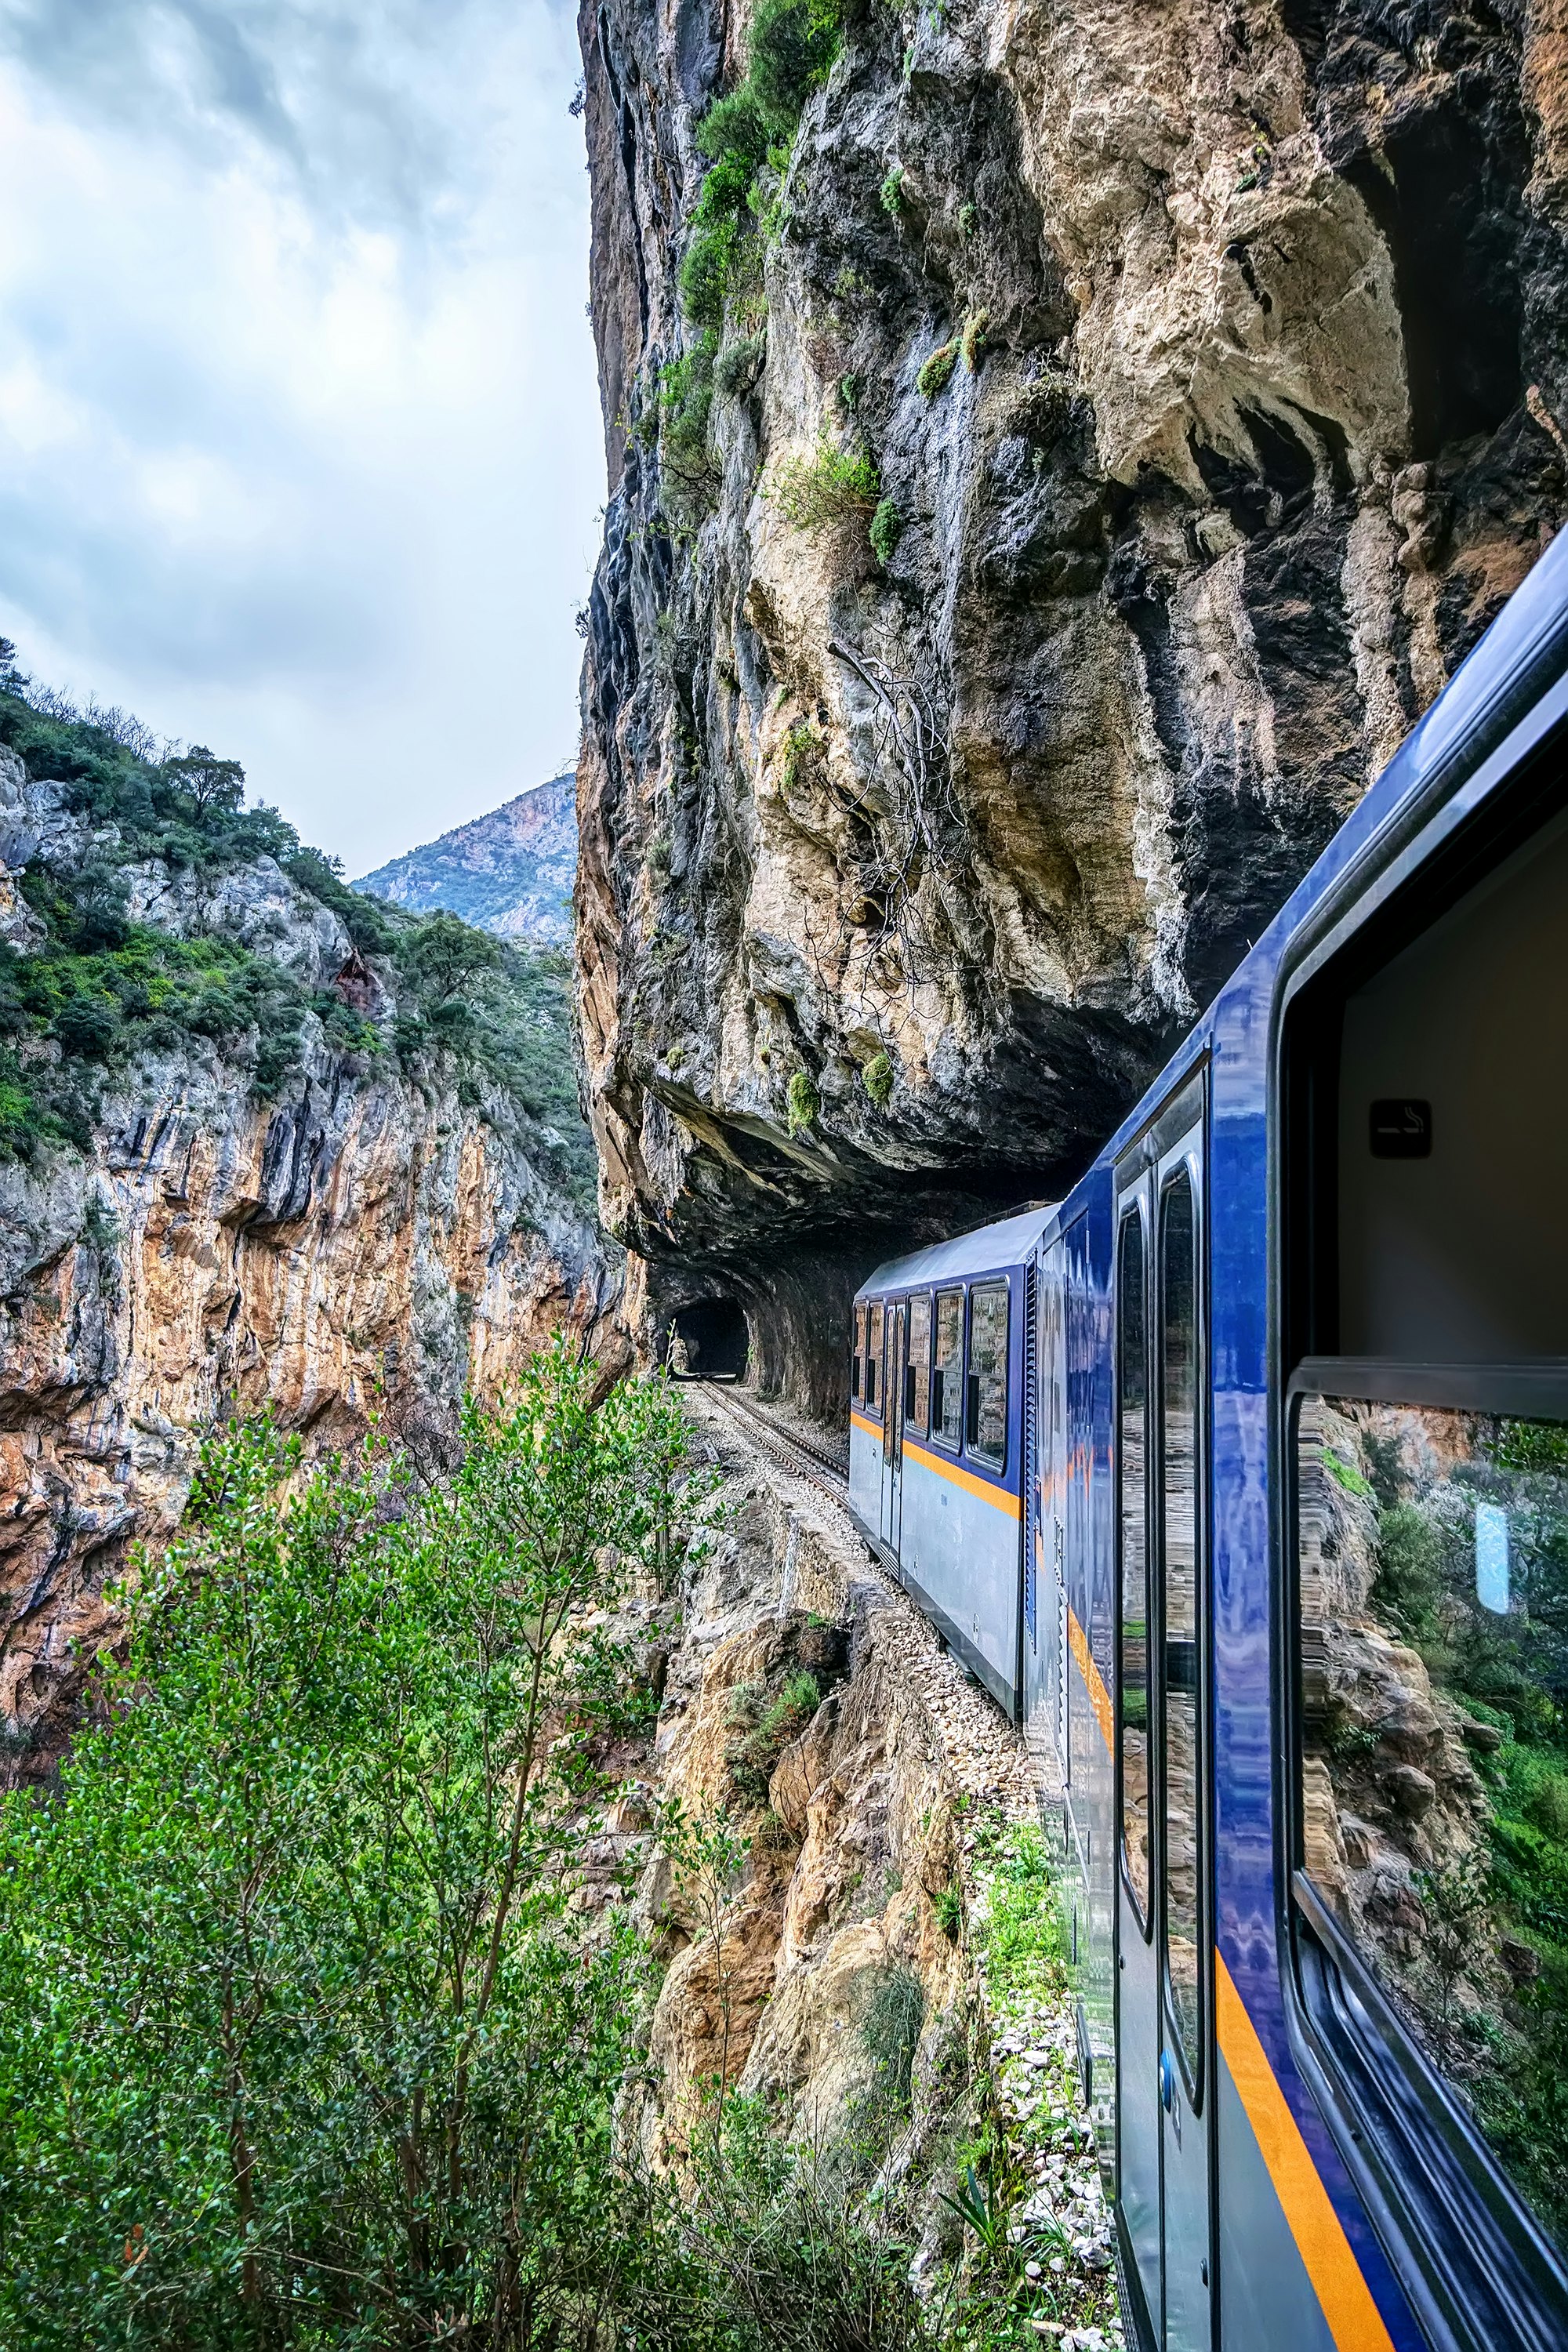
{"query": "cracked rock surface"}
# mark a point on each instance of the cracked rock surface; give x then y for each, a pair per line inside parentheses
(900, 874)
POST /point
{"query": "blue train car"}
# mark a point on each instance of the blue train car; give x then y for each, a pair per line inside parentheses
(1289, 1604)
(937, 1413)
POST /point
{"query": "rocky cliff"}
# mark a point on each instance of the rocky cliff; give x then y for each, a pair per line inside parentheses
(251, 1160)
(1055, 452)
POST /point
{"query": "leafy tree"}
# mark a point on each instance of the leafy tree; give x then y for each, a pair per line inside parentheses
(445, 954)
(299, 2045)
(212, 783)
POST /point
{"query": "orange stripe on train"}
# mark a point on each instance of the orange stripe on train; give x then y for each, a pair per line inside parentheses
(953, 1471)
(1098, 1696)
(1354, 2321)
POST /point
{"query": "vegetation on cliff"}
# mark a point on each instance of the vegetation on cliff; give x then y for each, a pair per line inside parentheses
(123, 958)
(308, 2037)
(298, 2046)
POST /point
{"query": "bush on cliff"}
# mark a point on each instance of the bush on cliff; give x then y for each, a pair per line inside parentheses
(299, 2043)
(746, 136)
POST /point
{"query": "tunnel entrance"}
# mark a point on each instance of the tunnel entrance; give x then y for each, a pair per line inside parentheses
(708, 1341)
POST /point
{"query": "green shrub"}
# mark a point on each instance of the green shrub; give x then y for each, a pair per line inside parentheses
(685, 406)
(791, 49)
(745, 135)
(968, 219)
(937, 373)
(887, 530)
(890, 195)
(298, 2044)
(739, 365)
(803, 1103)
(1023, 1933)
(972, 342)
(829, 488)
(733, 129)
(876, 1078)
(767, 1731)
(802, 747)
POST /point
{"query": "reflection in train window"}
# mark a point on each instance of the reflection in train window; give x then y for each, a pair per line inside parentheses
(874, 1361)
(1432, 1563)
(1131, 1454)
(947, 1371)
(985, 1429)
(859, 1356)
(916, 1379)
(1181, 1713)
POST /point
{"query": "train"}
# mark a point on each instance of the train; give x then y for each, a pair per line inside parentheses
(1239, 1478)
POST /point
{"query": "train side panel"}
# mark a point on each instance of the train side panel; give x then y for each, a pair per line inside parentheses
(865, 1468)
(959, 1557)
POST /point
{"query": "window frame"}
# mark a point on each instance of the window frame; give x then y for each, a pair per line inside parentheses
(1476, 2270)
(858, 1353)
(952, 1446)
(876, 1322)
(921, 1425)
(991, 1465)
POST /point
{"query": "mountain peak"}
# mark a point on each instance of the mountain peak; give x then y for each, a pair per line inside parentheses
(510, 872)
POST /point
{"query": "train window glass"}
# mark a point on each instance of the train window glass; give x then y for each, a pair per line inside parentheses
(1131, 1457)
(986, 1431)
(917, 1403)
(874, 1361)
(1181, 1713)
(857, 1358)
(947, 1367)
(1433, 1584)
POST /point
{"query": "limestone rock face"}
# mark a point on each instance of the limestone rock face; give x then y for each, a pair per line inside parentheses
(901, 876)
(364, 1244)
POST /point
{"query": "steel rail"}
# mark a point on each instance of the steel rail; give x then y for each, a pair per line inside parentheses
(792, 1452)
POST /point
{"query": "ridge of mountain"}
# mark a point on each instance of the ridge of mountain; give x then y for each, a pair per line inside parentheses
(509, 871)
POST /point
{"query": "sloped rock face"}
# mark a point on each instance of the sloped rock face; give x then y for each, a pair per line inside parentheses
(1267, 412)
(362, 1244)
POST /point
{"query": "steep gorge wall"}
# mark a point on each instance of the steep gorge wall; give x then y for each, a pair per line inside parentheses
(1268, 305)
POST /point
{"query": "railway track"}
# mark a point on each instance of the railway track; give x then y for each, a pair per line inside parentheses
(790, 1451)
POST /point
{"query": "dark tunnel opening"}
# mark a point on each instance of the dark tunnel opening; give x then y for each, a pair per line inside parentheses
(709, 1339)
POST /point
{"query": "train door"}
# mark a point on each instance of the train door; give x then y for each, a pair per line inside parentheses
(1138, 2073)
(1180, 1724)
(1044, 1592)
(1163, 1927)
(893, 1404)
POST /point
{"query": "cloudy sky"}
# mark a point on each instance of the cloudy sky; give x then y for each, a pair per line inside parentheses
(300, 449)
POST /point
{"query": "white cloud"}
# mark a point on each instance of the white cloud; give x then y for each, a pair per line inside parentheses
(300, 451)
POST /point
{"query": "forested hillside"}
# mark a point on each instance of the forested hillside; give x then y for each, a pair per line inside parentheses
(264, 1141)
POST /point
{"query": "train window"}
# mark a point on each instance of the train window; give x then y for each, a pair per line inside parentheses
(1433, 1564)
(947, 1368)
(857, 1358)
(917, 1378)
(985, 1420)
(1181, 1713)
(874, 1361)
(1131, 1457)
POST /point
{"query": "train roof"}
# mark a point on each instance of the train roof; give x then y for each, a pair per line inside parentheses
(987, 1250)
